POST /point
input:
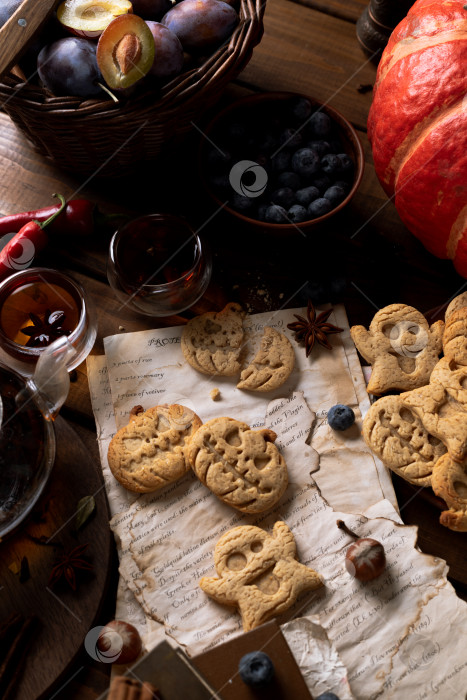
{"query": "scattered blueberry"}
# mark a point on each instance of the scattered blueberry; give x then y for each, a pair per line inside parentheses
(305, 162)
(306, 195)
(346, 163)
(321, 147)
(285, 197)
(256, 669)
(289, 179)
(319, 207)
(340, 417)
(301, 109)
(276, 214)
(322, 182)
(298, 214)
(320, 124)
(330, 164)
(291, 138)
(327, 696)
(281, 161)
(242, 204)
(335, 194)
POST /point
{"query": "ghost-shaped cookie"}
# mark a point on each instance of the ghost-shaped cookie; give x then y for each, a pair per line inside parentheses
(401, 347)
(258, 573)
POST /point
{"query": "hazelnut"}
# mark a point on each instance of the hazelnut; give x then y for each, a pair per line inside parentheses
(365, 558)
(119, 642)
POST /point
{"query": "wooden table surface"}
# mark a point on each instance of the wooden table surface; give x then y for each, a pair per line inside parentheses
(365, 255)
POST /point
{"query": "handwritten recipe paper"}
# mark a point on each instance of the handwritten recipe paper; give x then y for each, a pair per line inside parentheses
(391, 634)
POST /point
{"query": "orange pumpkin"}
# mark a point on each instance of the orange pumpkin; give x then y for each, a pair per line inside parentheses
(418, 125)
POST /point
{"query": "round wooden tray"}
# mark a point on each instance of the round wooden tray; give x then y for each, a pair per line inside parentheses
(64, 616)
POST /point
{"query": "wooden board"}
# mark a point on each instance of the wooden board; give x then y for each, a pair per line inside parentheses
(349, 10)
(64, 616)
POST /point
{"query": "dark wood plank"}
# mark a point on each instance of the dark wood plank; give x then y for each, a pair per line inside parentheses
(64, 616)
(349, 10)
(307, 51)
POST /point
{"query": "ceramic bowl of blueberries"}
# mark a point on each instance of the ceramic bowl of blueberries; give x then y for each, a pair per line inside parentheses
(281, 161)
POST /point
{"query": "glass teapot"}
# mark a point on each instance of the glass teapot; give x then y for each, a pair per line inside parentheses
(27, 439)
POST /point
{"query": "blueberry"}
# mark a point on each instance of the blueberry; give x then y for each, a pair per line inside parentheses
(256, 669)
(219, 181)
(305, 162)
(236, 131)
(267, 142)
(281, 161)
(336, 146)
(344, 184)
(291, 138)
(301, 109)
(242, 204)
(346, 164)
(217, 159)
(306, 195)
(322, 182)
(289, 179)
(298, 214)
(320, 124)
(330, 164)
(321, 147)
(276, 214)
(340, 417)
(261, 211)
(327, 696)
(319, 207)
(335, 194)
(285, 197)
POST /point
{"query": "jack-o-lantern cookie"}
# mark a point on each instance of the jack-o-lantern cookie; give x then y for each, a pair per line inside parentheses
(455, 337)
(150, 452)
(240, 466)
(455, 304)
(258, 573)
(212, 342)
(272, 364)
(449, 482)
(397, 436)
(401, 347)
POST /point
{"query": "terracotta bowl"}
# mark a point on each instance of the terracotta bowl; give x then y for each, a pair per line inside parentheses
(254, 106)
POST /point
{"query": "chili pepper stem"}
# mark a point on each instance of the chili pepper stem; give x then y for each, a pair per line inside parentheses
(48, 221)
(342, 526)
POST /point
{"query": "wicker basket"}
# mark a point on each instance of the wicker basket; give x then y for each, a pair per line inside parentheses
(99, 137)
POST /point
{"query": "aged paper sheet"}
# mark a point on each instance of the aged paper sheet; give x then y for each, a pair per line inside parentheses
(389, 635)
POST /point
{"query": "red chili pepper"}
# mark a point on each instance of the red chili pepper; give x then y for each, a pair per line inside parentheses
(77, 219)
(24, 246)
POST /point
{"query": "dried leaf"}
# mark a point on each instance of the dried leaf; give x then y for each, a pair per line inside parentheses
(85, 509)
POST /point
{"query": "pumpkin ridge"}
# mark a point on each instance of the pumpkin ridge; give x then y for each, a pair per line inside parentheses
(420, 44)
(413, 141)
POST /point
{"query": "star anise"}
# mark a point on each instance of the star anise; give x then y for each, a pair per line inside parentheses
(68, 564)
(313, 328)
(42, 333)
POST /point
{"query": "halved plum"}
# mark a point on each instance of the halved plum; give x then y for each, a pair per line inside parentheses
(89, 18)
(125, 52)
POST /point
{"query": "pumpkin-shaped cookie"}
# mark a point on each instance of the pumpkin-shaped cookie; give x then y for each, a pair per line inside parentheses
(240, 466)
(150, 452)
(449, 482)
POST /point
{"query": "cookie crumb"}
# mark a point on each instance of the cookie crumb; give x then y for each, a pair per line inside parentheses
(121, 328)
(215, 394)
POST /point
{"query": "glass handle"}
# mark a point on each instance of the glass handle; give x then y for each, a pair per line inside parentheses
(51, 378)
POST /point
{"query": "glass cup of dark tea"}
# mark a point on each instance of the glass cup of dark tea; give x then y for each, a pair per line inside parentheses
(157, 265)
(37, 306)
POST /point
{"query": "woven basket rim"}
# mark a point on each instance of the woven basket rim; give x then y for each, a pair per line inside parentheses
(36, 97)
